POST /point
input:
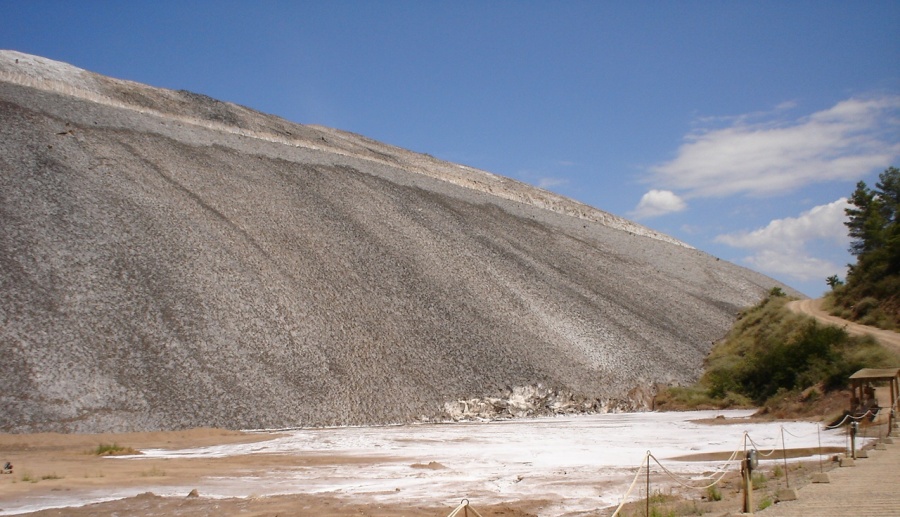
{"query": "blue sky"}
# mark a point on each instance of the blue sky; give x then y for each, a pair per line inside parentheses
(737, 127)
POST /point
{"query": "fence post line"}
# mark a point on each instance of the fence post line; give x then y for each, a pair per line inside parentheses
(648, 483)
(747, 485)
(787, 478)
(819, 436)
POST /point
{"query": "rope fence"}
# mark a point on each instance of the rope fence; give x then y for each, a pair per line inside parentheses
(733, 463)
(849, 417)
(464, 508)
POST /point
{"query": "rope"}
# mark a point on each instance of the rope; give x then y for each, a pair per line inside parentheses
(835, 426)
(718, 475)
(864, 415)
(764, 454)
(850, 417)
(637, 475)
(723, 469)
(678, 479)
(800, 436)
(464, 505)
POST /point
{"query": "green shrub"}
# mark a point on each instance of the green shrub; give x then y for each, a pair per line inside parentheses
(863, 307)
(661, 512)
(773, 356)
(106, 449)
(759, 480)
(771, 351)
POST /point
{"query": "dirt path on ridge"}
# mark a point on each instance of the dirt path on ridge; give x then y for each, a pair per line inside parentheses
(888, 338)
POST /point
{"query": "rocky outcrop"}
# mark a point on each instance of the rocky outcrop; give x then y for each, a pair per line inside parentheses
(168, 261)
(532, 401)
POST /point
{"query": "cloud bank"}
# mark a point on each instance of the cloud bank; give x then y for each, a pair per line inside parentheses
(768, 154)
(781, 247)
(760, 154)
(775, 157)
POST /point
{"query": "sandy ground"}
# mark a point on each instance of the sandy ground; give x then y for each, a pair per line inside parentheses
(541, 467)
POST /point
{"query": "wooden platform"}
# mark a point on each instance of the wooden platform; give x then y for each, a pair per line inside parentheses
(870, 488)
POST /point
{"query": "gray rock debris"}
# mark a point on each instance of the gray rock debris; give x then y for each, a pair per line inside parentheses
(170, 261)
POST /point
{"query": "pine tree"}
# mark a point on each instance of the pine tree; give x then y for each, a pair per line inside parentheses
(874, 228)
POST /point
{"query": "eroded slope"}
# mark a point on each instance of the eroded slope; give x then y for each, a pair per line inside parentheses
(157, 273)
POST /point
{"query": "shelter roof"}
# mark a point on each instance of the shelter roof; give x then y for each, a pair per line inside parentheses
(876, 374)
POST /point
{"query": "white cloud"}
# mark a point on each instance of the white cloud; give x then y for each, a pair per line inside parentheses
(763, 158)
(658, 202)
(781, 247)
(800, 267)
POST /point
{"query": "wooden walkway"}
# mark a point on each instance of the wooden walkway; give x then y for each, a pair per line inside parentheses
(870, 488)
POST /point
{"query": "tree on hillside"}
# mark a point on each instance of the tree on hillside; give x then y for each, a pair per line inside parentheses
(874, 227)
(888, 189)
(864, 222)
(874, 224)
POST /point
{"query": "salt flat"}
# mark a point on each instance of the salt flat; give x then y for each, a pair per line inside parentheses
(580, 463)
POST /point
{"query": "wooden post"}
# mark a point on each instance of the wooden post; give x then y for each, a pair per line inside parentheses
(894, 391)
(648, 485)
(747, 485)
(787, 478)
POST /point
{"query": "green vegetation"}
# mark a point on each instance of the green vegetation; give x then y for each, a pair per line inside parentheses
(106, 449)
(713, 493)
(871, 294)
(772, 353)
(660, 505)
(759, 480)
(772, 356)
(661, 512)
(28, 477)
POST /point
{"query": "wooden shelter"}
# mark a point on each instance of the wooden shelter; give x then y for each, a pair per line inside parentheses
(863, 391)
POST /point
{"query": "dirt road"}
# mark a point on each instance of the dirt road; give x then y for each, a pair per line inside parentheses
(813, 308)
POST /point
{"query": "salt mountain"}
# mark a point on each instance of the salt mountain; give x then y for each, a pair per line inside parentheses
(168, 261)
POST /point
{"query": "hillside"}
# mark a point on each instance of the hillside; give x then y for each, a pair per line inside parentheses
(170, 261)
